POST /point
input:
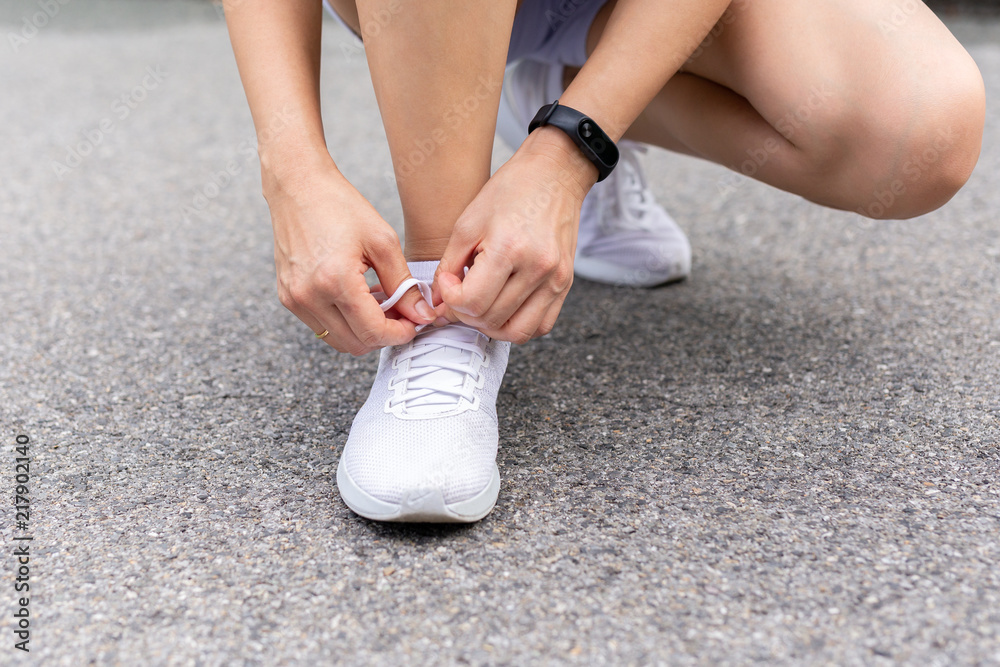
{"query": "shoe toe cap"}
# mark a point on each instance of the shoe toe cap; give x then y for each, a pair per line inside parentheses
(421, 458)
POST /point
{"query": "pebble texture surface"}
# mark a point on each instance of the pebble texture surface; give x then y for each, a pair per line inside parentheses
(790, 458)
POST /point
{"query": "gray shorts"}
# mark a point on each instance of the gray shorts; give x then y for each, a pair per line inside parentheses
(551, 31)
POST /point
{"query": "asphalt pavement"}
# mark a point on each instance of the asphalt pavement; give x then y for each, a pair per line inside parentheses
(791, 458)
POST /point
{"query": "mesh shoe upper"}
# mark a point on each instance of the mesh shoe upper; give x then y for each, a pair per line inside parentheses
(623, 227)
(430, 421)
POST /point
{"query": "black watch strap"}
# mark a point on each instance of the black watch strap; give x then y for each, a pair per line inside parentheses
(595, 145)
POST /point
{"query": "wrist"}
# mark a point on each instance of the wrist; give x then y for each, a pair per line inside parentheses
(575, 170)
(290, 171)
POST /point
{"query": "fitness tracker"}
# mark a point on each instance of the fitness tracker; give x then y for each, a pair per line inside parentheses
(595, 145)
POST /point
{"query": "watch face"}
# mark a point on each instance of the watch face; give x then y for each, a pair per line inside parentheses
(598, 141)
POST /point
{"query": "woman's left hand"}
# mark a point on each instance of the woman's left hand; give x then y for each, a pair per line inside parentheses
(518, 238)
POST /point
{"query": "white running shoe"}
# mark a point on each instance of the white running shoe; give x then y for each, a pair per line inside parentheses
(625, 237)
(423, 447)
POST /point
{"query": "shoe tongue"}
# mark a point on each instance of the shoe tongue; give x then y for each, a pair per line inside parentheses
(423, 270)
(618, 204)
(633, 196)
(435, 342)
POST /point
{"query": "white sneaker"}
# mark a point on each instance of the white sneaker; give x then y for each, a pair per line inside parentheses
(423, 447)
(625, 237)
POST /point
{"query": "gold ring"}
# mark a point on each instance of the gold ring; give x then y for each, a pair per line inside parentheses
(321, 336)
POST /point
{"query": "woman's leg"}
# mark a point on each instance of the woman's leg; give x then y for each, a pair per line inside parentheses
(423, 447)
(437, 68)
(864, 105)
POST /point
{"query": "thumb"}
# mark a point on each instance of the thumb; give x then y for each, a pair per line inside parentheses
(451, 270)
(447, 286)
(392, 272)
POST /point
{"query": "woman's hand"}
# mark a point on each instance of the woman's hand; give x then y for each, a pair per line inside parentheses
(326, 235)
(518, 236)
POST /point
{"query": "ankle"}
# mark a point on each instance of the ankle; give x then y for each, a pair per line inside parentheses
(412, 256)
(424, 250)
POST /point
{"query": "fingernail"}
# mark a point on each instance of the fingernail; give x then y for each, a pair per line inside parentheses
(425, 312)
(442, 322)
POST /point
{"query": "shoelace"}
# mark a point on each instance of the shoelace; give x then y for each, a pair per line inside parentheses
(440, 361)
(425, 291)
(633, 200)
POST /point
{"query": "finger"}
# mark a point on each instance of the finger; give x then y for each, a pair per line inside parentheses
(339, 336)
(460, 252)
(369, 324)
(517, 290)
(442, 278)
(475, 294)
(442, 313)
(392, 313)
(445, 315)
(413, 306)
(551, 316)
(388, 304)
(537, 313)
(390, 267)
(349, 298)
(379, 293)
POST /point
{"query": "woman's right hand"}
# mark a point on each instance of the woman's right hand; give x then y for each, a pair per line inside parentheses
(326, 235)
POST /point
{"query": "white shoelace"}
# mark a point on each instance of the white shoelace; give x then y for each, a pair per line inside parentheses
(441, 360)
(425, 291)
(633, 198)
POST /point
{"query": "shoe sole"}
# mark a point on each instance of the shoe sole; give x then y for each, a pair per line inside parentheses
(419, 506)
(614, 274)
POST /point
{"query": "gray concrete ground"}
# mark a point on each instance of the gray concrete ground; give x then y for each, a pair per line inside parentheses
(791, 458)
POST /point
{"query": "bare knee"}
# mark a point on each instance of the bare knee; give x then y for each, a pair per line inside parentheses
(908, 154)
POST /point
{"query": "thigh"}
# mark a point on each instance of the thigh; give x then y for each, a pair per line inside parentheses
(346, 11)
(825, 67)
(553, 31)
